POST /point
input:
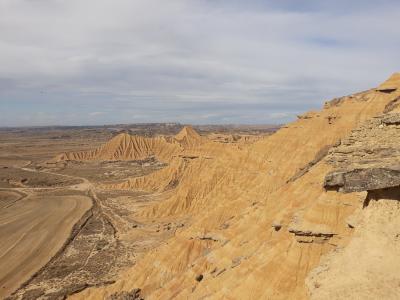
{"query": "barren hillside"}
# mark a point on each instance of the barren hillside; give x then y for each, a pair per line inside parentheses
(272, 220)
(310, 211)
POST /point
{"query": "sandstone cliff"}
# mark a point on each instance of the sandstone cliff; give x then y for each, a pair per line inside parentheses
(282, 218)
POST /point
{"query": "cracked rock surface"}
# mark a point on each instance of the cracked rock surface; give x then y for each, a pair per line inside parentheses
(369, 159)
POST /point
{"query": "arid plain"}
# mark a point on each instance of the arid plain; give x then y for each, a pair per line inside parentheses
(61, 230)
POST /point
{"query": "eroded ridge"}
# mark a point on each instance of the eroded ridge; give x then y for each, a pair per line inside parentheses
(261, 220)
(259, 212)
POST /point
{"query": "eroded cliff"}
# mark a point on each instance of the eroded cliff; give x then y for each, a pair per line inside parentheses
(265, 219)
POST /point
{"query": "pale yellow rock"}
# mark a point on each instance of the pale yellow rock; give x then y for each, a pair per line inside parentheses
(233, 196)
(126, 147)
(392, 83)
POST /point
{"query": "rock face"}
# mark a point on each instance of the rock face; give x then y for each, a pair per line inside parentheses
(391, 119)
(369, 159)
(368, 267)
(365, 179)
(266, 204)
(132, 295)
(390, 85)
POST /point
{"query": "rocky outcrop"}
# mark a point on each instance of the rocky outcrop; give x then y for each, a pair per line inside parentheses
(366, 179)
(308, 115)
(369, 158)
(240, 193)
(390, 85)
(391, 119)
(210, 237)
(132, 295)
(361, 96)
(392, 105)
(368, 266)
(306, 232)
(309, 236)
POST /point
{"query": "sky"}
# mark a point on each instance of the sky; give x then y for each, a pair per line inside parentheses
(92, 62)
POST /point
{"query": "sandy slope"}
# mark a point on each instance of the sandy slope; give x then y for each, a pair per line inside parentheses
(33, 230)
(261, 219)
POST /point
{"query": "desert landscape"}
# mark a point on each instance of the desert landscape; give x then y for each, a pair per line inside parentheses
(63, 229)
(199, 150)
(105, 213)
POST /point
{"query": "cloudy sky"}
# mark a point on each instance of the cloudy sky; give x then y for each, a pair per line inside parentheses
(85, 62)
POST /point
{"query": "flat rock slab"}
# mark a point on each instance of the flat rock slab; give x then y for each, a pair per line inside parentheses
(359, 180)
(368, 159)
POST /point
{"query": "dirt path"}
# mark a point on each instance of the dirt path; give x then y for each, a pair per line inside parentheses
(102, 242)
(32, 231)
(34, 228)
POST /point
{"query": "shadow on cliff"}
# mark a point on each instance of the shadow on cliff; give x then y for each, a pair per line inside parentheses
(392, 193)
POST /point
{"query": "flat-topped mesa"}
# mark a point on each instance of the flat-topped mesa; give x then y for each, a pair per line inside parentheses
(390, 85)
(126, 147)
(188, 137)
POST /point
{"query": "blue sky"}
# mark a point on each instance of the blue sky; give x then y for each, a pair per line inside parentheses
(85, 62)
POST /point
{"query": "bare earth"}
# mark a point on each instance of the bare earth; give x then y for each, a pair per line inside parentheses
(32, 230)
(60, 231)
(309, 212)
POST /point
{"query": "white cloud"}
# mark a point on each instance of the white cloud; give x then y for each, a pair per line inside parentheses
(176, 58)
(96, 113)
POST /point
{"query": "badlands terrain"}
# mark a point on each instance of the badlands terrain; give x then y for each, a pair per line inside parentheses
(62, 229)
(310, 211)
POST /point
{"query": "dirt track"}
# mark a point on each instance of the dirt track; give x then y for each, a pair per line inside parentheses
(33, 228)
(62, 233)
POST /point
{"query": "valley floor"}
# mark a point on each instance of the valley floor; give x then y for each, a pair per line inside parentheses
(60, 232)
